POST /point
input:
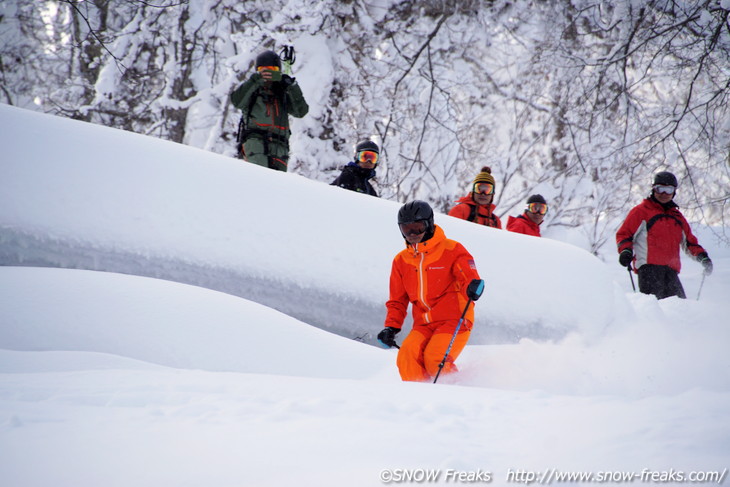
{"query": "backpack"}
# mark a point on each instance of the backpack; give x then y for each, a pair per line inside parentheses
(244, 131)
(473, 216)
(243, 126)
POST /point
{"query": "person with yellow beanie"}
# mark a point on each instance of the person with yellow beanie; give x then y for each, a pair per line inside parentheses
(477, 206)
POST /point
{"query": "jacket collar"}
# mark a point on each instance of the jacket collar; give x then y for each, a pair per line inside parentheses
(665, 206)
(365, 173)
(424, 247)
(530, 222)
(469, 200)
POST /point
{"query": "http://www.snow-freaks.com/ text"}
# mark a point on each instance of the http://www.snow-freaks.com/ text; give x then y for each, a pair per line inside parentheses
(550, 476)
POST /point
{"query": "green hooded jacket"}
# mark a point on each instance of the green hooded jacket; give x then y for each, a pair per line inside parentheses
(270, 104)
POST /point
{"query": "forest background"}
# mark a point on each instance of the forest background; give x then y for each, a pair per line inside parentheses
(581, 100)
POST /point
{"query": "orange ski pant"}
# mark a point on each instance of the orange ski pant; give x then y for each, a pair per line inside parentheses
(423, 349)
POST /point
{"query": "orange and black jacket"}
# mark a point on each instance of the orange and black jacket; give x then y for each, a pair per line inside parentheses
(433, 277)
(467, 209)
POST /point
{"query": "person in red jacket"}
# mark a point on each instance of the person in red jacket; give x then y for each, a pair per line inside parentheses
(651, 236)
(529, 222)
(438, 277)
(477, 206)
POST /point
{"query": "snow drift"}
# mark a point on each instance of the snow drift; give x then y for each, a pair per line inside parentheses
(126, 377)
(315, 252)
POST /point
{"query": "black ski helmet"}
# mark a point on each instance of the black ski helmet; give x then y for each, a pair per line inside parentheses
(367, 145)
(415, 211)
(665, 178)
(268, 58)
(536, 198)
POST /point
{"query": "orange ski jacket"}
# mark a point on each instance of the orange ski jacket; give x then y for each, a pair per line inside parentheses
(433, 277)
(522, 224)
(467, 209)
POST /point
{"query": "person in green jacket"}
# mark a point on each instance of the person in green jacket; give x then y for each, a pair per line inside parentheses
(267, 99)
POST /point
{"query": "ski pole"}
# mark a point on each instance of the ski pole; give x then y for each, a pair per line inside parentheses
(632, 277)
(443, 361)
(287, 54)
(287, 57)
(701, 283)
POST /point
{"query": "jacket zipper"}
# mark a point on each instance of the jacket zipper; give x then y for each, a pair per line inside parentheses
(421, 293)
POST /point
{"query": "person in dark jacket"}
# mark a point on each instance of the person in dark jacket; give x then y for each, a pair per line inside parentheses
(530, 220)
(267, 99)
(356, 175)
(477, 206)
(651, 236)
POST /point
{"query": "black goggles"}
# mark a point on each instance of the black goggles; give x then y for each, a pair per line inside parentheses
(413, 228)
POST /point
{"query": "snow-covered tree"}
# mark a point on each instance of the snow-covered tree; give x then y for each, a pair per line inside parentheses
(580, 101)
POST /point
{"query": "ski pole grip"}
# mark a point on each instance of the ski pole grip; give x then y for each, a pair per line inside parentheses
(475, 289)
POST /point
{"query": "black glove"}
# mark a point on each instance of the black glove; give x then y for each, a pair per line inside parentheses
(258, 80)
(625, 257)
(387, 336)
(475, 289)
(706, 263)
(287, 80)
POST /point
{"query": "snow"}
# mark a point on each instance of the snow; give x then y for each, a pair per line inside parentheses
(171, 316)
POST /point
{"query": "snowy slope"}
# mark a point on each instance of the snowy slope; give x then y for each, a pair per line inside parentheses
(315, 252)
(114, 378)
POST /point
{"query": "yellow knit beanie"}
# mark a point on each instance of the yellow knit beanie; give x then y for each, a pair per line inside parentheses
(484, 177)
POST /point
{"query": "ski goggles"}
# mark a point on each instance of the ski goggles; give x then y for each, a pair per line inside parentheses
(413, 228)
(484, 188)
(268, 68)
(367, 156)
(539, 208)
(664, 188)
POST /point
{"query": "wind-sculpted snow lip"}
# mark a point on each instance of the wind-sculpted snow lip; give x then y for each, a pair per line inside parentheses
(345, 316)
(337, 312)
(315, 252)
(51, 361)
(153, 320)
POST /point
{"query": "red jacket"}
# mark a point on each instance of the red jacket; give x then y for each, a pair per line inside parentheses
(522, 224)
(655, 234)
(433, 277)
(483, 215)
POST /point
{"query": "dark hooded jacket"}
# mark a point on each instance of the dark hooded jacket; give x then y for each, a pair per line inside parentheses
(267, 105)
(356, 178)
